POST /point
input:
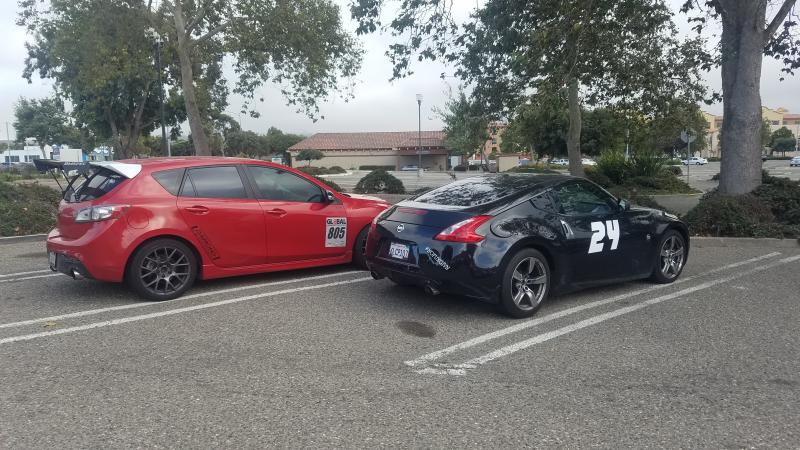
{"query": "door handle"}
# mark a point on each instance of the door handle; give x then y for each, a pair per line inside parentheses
(276, 212)
(197, 209)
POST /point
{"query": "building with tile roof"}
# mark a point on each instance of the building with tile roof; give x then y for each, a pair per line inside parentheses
(390, 148)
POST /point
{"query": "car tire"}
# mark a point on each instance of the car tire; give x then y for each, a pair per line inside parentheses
(670, 257)
(526, 283)
(360, 249)
(162, 269)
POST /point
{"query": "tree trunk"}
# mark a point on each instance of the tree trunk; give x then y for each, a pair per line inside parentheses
(183, 49)
(574, 133)
(742, 45)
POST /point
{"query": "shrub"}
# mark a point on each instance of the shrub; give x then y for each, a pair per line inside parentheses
(674, 170)
(460, 168)
(336, 169)
(27, 209)
(375, 167)
(330, 184)
(613, 165)
(645, 164)
(379, 182)
(598, 177)
(313, 170)
(772, 210)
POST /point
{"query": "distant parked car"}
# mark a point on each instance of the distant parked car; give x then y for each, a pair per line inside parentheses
(695, 161)
(588, 162)
(559, 162)
(410, 168)
(795, 161)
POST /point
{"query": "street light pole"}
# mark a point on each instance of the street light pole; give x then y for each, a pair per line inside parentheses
(419, 136)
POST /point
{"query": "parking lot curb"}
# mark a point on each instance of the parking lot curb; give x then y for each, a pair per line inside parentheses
(25, 238)
(701, 241)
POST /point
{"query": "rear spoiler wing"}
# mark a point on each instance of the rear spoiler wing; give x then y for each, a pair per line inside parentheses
(70, 171)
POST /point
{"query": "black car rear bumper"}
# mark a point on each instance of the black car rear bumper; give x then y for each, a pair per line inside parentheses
(70, 266)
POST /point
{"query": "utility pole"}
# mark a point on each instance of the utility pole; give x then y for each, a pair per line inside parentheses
(419, 136)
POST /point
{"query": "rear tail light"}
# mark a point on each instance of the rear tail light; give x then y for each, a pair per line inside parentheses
(465, 231)
(99, 213)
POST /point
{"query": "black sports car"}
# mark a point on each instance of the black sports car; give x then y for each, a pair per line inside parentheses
(513, 239)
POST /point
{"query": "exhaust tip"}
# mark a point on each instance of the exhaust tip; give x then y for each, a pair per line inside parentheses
(376, 275)
(77, 275)
(430, 290)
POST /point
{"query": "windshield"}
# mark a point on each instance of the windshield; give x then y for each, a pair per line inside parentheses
(92, 186)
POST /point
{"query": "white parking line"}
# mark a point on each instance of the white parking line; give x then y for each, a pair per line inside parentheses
(32, 277)
(505, 351)
(433, 356)
(460, 369)
(108, 323)
(24, 273)
(91, 312)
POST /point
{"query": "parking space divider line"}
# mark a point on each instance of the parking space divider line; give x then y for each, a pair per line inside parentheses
(170, 312)
(10, 280)
(513, 348)
(433, 356)
(143, 304)
(24, 273)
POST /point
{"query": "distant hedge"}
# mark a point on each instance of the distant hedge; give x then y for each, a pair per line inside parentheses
(375, 167)
(27, 208)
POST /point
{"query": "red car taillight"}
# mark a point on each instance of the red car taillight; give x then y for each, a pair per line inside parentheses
(465, 231)
(99, 213)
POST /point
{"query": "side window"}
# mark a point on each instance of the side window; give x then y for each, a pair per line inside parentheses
(170, 179)
(578, 198)
(280, 185)
(544, 202)
(214, 182)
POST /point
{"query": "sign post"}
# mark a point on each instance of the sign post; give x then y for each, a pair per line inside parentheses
(688, 136)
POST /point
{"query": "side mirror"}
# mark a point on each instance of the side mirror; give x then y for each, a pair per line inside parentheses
(624, 204)
(329, 197)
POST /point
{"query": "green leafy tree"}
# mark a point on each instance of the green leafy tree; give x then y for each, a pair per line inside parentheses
(751, 29)
(601, 52)
(661, 133)
(246, 143)
(46, 121)
(782, 140)
(301, 45)
(465, 128)
(539, 125)
(98, 55)
(309, 155)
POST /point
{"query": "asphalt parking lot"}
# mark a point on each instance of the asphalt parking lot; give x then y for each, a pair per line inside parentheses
(331, 358)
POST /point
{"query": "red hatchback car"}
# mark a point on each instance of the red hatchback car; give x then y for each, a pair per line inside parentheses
(159, 224)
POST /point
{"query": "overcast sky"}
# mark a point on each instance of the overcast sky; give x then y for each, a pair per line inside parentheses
(378, 105)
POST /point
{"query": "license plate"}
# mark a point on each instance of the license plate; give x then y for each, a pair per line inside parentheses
(398, 251)
(51, 257)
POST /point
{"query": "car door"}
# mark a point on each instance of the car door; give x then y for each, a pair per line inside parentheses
(301, 224)
(597, 234)
(224, 217)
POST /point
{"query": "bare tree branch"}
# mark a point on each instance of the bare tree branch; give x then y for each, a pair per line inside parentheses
(779, 18)
(212, 32)
(198, 17)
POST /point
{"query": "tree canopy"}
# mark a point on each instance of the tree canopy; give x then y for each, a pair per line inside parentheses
(624, 53)
(46, 121)
(309, 155)
(465, 127)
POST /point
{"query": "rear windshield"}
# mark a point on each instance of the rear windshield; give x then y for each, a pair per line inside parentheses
(97, 184)
(478, 190)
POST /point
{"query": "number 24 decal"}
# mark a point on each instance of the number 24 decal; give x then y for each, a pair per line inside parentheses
(600, 231)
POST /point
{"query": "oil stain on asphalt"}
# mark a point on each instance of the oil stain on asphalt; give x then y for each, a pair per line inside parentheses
(417, 329)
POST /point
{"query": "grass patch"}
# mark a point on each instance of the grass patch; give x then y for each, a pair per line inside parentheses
(27, 208)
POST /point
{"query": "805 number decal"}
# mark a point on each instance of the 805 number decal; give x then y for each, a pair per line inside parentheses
(335, 231)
